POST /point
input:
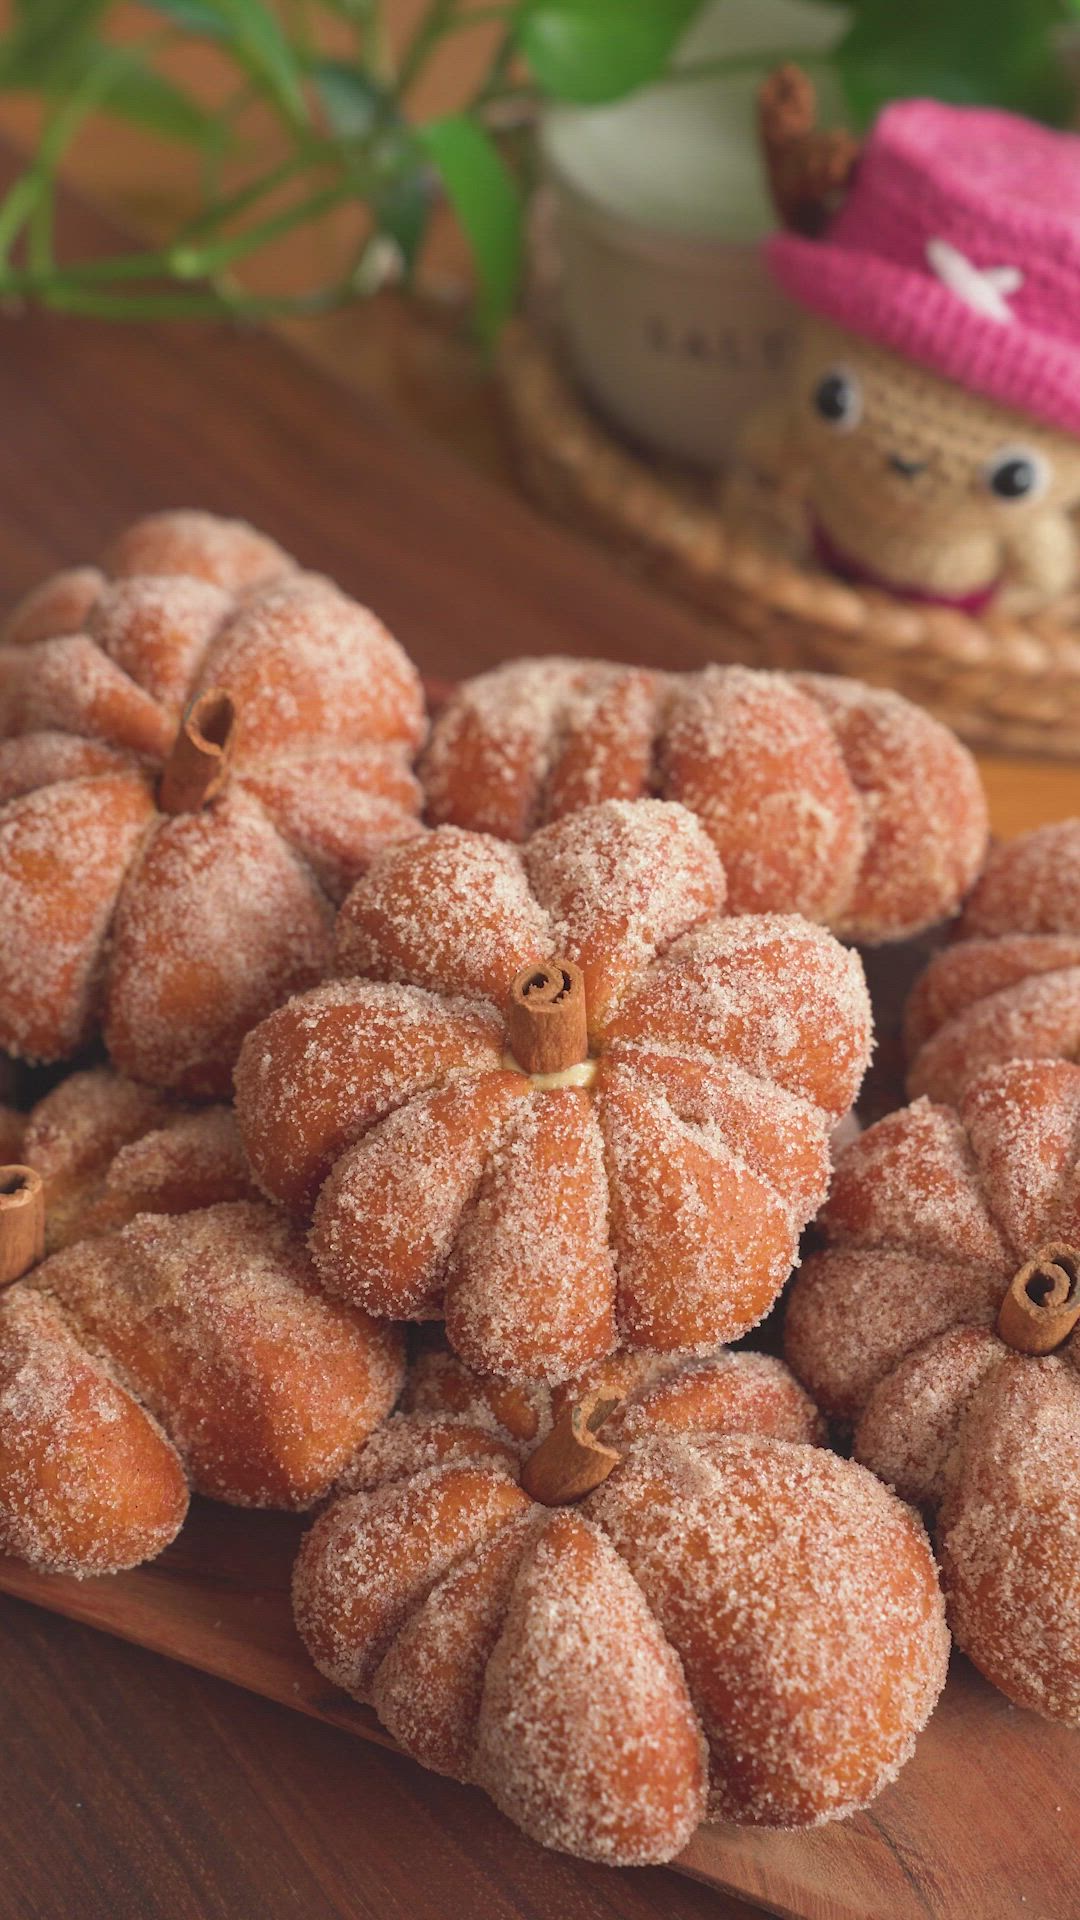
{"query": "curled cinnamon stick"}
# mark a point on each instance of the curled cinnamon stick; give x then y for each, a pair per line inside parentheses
(1042, 1305)
(22, 1222)
(196, 768)
(546, 1017)
(572, 1461)
(808, 166)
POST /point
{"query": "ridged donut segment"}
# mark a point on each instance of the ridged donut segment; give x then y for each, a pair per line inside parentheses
(89, 1483)
(202, 546)
(822, 796)
(108, 1148)
(1010, 986)
(185, 1350)
(64, 856)
(175, 915)
(652, 1192)
(902, 1326)
(59, 605)
(1009, 1530)
(733, 1620)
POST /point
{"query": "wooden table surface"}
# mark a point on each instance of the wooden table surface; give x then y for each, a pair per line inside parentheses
(133, 1789)
(130, 1788)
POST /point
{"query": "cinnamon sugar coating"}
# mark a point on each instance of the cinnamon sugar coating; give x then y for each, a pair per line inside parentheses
(893, 1327)
(662, 1204)
(59, 605)
(178, 934)
(197, 1350)
(108, 1148)
(735, 1620)
(821, 795)
(201, 546)
(1010, 986)
(1009, 1530)
(727, 1392)
(89, 1482)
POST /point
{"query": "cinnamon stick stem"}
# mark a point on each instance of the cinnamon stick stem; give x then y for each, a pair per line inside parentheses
(22, 1222)
(546, 1017)
(1042, 1305)
(196, 768)
(571, 1461)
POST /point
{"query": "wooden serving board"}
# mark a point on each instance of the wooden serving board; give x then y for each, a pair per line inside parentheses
(983, 1824)
(100, 424)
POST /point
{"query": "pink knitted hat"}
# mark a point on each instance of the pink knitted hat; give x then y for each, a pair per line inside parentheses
(958, 246)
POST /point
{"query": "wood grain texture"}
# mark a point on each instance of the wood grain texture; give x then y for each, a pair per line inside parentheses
(202, 1802)
(937, 1845)
(134, 1789)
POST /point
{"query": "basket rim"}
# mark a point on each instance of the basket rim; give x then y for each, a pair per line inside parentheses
(562, 429)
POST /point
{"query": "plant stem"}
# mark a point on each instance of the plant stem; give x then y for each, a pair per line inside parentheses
(31, 198)
(494, 82)
(481, 17)
(319, 174)
(197, 263)
(17, 208)
(63, 297)
(220, 211)
(433, 25)
(177, 261)
(40, 234)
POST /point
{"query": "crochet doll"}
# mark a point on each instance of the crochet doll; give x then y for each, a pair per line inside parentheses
(929, 423)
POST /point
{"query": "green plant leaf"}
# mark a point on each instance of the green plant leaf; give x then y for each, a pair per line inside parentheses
(353, 102)
(403, 194)
(147, 98)
(395, 165)
(257, 35)
(487, 202)
(195, 16)
(1007, 58)
(359, 12)
(128, 89)
(254, 32)
(47, 41)
(589, 51)
(403, 212)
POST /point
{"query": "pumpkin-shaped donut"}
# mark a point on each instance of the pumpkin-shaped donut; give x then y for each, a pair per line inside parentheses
(939, 1321)
(188, 770)
(1010, 986)
(822, 796)
(673, 1604)
(185, 1351)
(556, 1095)
(107, 1148)
(225, 553)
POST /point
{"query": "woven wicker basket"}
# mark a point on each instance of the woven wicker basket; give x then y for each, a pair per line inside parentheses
(999, 681)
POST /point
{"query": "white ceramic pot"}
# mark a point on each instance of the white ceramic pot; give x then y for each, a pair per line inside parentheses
(671, 322)
(675, 338)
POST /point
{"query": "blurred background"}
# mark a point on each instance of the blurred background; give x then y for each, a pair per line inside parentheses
(534, 228)
(283, 160)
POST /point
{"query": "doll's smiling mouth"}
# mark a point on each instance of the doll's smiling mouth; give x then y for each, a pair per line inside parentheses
(908, 469)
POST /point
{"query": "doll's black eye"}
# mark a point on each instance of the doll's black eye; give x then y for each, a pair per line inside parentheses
(838, 399)
(1016, 473)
